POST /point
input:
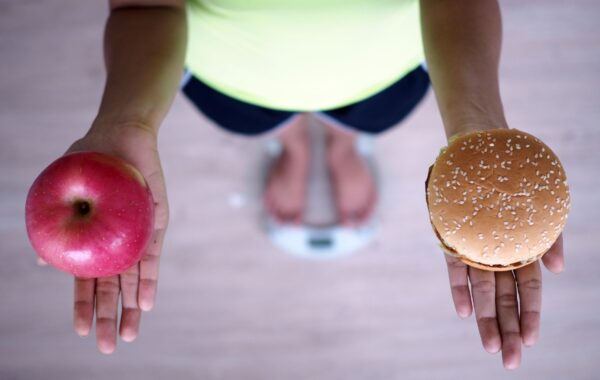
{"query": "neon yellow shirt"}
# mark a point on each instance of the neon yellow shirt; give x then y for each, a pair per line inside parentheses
(302, 55)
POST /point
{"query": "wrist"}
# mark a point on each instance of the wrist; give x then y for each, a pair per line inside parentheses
(467, 127)
(107, 129)
(470, 123)
(469, 110)
(118, 139)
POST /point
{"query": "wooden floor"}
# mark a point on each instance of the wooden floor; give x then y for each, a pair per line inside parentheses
(230, 305)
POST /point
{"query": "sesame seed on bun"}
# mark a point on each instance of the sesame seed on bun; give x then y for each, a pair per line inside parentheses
(497, 199)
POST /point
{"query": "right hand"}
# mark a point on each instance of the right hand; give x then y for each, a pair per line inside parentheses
(137, 144)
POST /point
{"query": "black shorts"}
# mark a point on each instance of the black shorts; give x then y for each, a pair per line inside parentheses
(372, 115)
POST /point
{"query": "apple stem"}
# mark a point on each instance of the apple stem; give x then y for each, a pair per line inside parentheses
(82, 208)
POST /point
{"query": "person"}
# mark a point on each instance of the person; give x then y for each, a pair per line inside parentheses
(258, 67)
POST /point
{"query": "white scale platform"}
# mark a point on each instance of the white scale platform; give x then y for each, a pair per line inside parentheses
(320, 237)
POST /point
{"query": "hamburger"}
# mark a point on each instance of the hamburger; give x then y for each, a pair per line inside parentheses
(497, 199)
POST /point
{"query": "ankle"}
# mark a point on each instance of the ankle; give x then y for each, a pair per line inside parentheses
(294, 138)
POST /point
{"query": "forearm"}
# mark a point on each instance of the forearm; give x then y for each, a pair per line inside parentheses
(144, 55)
(462, 40)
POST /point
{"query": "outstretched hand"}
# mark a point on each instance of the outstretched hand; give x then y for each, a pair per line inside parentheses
(505, 321)
(137, 286)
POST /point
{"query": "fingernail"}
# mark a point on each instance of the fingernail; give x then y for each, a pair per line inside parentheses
(529, 341)
(106, 349)
(146, 306)
(511, 366)
(557, 267)
(82, 332)
(492, 347)
(128, 337)
(463, 313)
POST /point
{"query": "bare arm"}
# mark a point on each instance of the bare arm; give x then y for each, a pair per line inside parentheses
(144, 51)
(144, 54)
(462, 40)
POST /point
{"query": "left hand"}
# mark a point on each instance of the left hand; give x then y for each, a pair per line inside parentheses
(137, 286)
(503, 323)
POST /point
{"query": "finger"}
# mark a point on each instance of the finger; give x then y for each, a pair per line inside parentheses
(131, 313)
(41, 262)
(459, 286)
(83, 310)
(508, 319)
(554, 258)
(149, 272)
(483, 289)
(107, 299)
(150, 261)
(529, 285)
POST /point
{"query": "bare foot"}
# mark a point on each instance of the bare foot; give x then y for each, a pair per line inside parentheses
(285, 192)
(353, 184)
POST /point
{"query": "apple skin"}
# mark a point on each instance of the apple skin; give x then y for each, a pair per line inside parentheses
(90, 214)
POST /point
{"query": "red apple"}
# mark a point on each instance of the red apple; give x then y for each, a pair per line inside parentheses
(90, 214)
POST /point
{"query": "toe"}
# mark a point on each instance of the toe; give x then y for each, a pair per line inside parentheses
(274, 210)
(280, 215)
(369, 208)
(359, 214)
(348, 216)
(294, 218)
(269, 205)
(283, 213)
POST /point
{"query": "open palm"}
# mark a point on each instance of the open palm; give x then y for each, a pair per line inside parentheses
(505, 321)
(136, 286)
